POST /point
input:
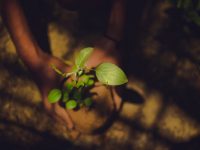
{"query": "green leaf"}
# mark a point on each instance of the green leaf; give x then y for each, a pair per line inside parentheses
(84, 78)
(80, 84)
(88, 101)
(71, 104)
(77, 94)
(69, 86)
(110, 74)
(83, 57)
(54, 95)
(91, 76)
(74, 69)
(80, 72)
(90, 82)
(65, 96)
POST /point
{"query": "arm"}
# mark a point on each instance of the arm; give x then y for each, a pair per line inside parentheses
(116, 21)
(106, 48)
(25, 43)
(31, 54)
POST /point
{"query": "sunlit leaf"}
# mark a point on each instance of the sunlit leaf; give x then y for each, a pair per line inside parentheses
(110, 74)
(90, 82)
(69, 86)
(88, 101)
(80, 84)
(74, 68)
(54, 95)
(85, 78)
(80, 72)
(65, 96)
(83, 57)
(71, 104)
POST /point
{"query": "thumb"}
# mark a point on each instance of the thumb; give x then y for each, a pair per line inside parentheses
(56, 111)
(62, 114)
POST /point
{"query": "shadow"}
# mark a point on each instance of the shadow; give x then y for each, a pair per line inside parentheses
(5, 95)
(12, 64)
(165, 70)
(172, 68)
(129, 95)
(48, 141)
(38, 14)
(153, 136)
(192, 144)
(163, 57)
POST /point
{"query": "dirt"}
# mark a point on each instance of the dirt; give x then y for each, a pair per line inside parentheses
(161, 113)
(95, 119)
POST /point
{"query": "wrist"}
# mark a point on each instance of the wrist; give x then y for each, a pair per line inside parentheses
(107, 44)
(32, 58)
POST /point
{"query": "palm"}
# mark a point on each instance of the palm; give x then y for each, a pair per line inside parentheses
(46, 79)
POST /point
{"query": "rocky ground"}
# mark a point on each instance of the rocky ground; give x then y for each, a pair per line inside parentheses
(162, 113)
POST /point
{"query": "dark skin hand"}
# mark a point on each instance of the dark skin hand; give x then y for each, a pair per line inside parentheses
(46, 78)
(39, 63)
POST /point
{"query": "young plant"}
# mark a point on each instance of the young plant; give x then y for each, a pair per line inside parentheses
(75, 93)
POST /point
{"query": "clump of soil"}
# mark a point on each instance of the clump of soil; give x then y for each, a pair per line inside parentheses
(94, 119)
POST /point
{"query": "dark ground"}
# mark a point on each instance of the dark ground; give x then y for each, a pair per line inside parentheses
(161, 60)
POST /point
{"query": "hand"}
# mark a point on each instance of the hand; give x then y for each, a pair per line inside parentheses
(105, 51)
(46, 79)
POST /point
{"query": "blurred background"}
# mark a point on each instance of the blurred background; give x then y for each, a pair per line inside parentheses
(161, 56)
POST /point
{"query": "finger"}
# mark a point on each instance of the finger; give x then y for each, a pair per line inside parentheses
(47, 106)
(117, 100)
(63, 115)
(57, 112)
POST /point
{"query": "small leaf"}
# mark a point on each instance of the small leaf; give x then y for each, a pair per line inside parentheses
(110, 74)
(54, 95)
(65, 96)
(76, 95)
(84, 78)
(91, 76)
(69, 86)
(88, 102)
(83, 57)
(74, 69)
(80, 84)
(71, 104)
(90, 82)
(80, 72)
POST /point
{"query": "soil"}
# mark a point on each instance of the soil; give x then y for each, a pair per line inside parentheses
(160, 113)
(97, 117)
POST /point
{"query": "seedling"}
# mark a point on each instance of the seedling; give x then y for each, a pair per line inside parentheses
(75, 90)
